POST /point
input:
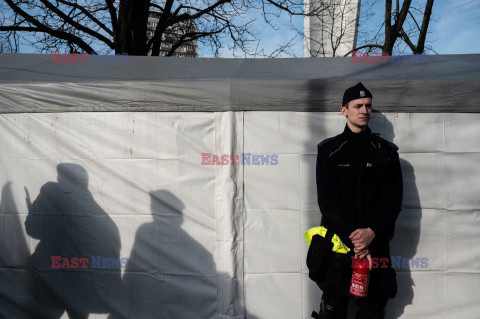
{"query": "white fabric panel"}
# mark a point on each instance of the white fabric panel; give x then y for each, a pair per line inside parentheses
(274, 295)
(463, 236)
(226, 241)
(416, 232)
(308, 197)
(460, 128)
(462, 301)
(272, 242)
(311, 296)
(421, 295)
(144, 172)
(424, 180)
(417, 133)
(260, 178)
(464, 185)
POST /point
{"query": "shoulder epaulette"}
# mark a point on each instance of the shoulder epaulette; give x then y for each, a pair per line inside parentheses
(326, 141)
(332, 144)
(389, 144)
(392, 145)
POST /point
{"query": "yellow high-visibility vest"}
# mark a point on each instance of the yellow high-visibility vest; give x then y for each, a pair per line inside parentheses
(338, 246)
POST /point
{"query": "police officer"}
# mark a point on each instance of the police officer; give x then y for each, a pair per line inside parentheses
(359, 188)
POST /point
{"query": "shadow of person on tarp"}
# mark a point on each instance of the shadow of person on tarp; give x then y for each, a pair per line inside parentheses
(73, 230)
(16, 299)
(404, 244)
(169, 274)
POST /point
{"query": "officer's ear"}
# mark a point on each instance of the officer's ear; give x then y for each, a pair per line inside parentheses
(344, 109)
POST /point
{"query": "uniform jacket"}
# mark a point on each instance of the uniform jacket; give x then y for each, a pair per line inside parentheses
(359, 185)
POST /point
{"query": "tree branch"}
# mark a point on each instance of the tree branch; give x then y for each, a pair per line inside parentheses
(191, 37)
(414, 20)
(163, 23)
(401, 17)
(423, 31)
(276, 4)
(56, 33)
(365, 46)
(186, 16)
(88, 14)
(409, 43)
(388, 27)
(77, 25)
(113, 15)
(156, 6)
(19, 28)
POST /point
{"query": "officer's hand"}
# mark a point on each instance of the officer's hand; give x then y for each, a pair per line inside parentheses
(362, 254)
(362, 237)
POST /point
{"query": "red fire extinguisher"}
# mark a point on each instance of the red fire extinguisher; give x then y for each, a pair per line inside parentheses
(360, 275)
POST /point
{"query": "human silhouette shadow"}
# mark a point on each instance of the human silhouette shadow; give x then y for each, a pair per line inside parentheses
(407, 228)
(16, 297)
(70, 224)
(169, 274)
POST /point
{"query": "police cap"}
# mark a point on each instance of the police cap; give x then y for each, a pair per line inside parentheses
(355, 92)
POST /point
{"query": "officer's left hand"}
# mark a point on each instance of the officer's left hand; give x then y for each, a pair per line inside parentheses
(362, 238)
(364, 254)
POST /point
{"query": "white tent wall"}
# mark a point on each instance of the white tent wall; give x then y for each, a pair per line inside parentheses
(222, 241)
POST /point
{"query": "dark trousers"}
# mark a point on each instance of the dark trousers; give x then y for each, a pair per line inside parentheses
(336, 291)
(369, 308)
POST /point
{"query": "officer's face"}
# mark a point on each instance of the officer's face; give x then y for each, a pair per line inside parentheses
(358, 112)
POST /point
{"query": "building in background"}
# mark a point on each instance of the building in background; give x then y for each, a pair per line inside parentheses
(333, 31)
(171, 36)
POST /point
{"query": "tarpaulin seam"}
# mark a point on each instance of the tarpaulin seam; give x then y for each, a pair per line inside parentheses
(216, 217)
(446, 204)
(244, 217)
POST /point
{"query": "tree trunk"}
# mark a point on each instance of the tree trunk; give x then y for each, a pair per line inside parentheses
(132, 36)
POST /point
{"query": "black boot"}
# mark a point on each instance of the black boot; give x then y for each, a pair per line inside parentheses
(371, 309)
(332, 309)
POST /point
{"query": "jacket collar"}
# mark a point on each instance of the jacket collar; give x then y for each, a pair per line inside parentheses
(351, 134)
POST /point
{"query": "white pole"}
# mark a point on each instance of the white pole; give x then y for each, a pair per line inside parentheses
(333, 31)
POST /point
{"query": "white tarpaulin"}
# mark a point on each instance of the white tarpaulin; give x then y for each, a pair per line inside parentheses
(167, 235)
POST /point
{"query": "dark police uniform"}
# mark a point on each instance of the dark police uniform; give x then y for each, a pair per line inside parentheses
(359, 185)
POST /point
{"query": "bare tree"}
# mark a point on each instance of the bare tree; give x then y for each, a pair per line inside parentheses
(121, 25)
(400, 27)
(341, 28)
